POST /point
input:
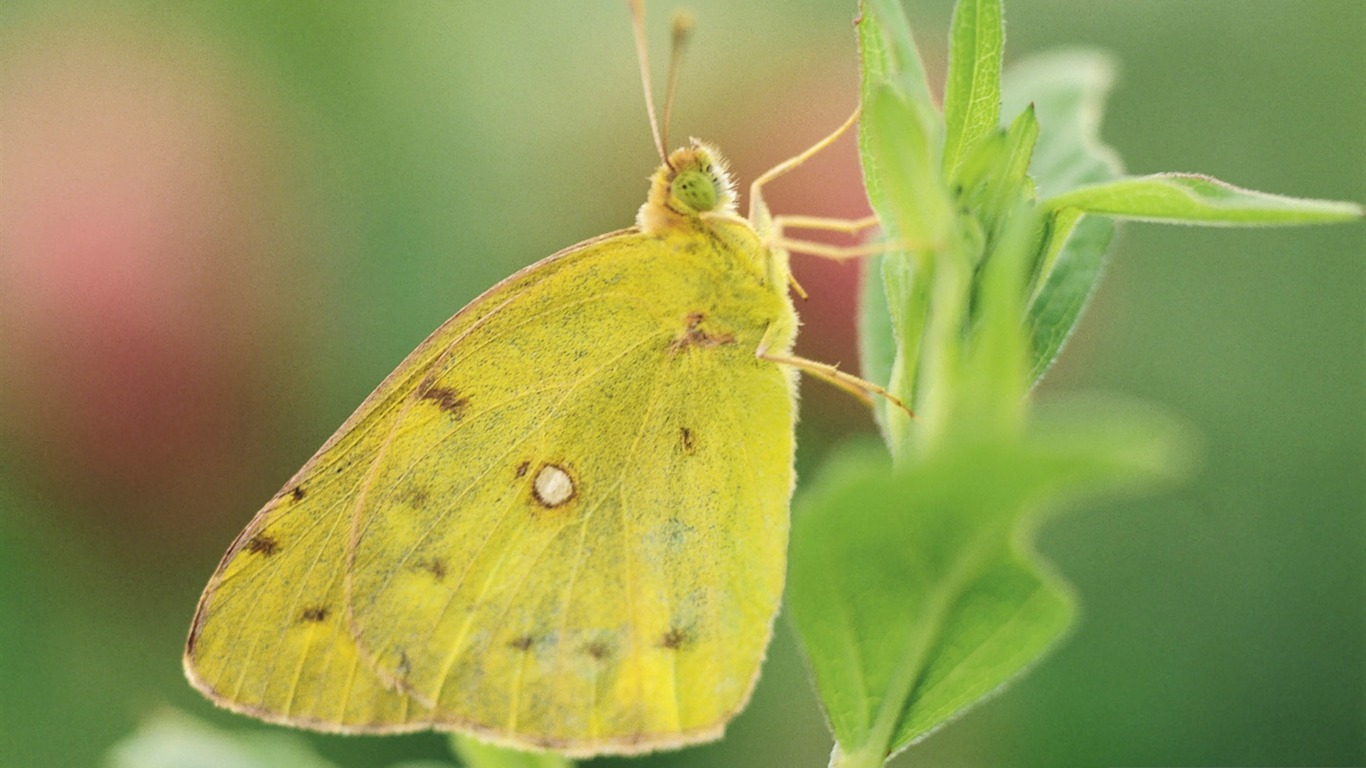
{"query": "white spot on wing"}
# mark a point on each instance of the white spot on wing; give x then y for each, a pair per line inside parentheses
(553, 486)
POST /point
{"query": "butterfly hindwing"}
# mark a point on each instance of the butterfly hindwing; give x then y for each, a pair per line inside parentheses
(560, 522)
(629, 604)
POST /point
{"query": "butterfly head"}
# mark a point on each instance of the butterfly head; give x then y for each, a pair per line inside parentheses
(694, 183)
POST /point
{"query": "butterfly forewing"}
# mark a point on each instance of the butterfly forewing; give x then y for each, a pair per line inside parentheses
(270, 635)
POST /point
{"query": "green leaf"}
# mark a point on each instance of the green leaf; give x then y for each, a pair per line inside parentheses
(1186, 198)
(478, 754)
(877, 342)
(989, 393)
(972, 91)
(899, 130)
(899, 140)
(1076, 250)
(175, 740)
(1067, 90)
(1021, 139)
(995, 185)
(905, 167)
(915, 592)
(888, 51)
(1001, 179)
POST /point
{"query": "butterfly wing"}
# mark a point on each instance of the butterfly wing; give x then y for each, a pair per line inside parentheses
(561, 522)
(270, 636)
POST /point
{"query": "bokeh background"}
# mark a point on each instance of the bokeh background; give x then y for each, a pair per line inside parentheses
(222, 223)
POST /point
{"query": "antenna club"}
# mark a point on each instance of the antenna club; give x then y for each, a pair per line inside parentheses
(683, 24)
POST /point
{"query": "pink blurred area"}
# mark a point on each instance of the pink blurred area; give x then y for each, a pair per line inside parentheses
(150, 250)
(163, 258)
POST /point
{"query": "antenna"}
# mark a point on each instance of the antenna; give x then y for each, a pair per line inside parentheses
(682, 29)
(642, 53)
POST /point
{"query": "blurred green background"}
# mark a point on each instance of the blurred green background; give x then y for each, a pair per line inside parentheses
(222, 223)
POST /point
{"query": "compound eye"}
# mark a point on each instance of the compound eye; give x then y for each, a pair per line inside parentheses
(694, 189)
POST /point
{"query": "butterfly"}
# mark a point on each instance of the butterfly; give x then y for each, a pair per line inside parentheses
(561, 522)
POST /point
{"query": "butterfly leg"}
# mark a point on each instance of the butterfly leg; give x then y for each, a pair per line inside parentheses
(835, 252)
(779, 238)
(846, 226)
(860, 388)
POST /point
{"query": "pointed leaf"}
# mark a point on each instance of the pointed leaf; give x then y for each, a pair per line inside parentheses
(1187, 198)
(972, 91)
(1058, 302)
(1068, 91)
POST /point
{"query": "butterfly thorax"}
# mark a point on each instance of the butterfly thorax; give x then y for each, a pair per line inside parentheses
(692, 195)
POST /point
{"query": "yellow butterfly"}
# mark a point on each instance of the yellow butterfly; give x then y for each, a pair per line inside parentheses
(562, 521)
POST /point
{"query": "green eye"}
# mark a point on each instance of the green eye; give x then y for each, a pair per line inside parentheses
(695, 189)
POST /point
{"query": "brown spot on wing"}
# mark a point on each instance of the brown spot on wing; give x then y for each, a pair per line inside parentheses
(674, 639)
(693, 336)
(598, 650)
(687, 441)
(416, 497)
(314, 614)
(447, 399)
(435, 566)
(522, 468)
(297, 493)
(261, 544)
(522, 643)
